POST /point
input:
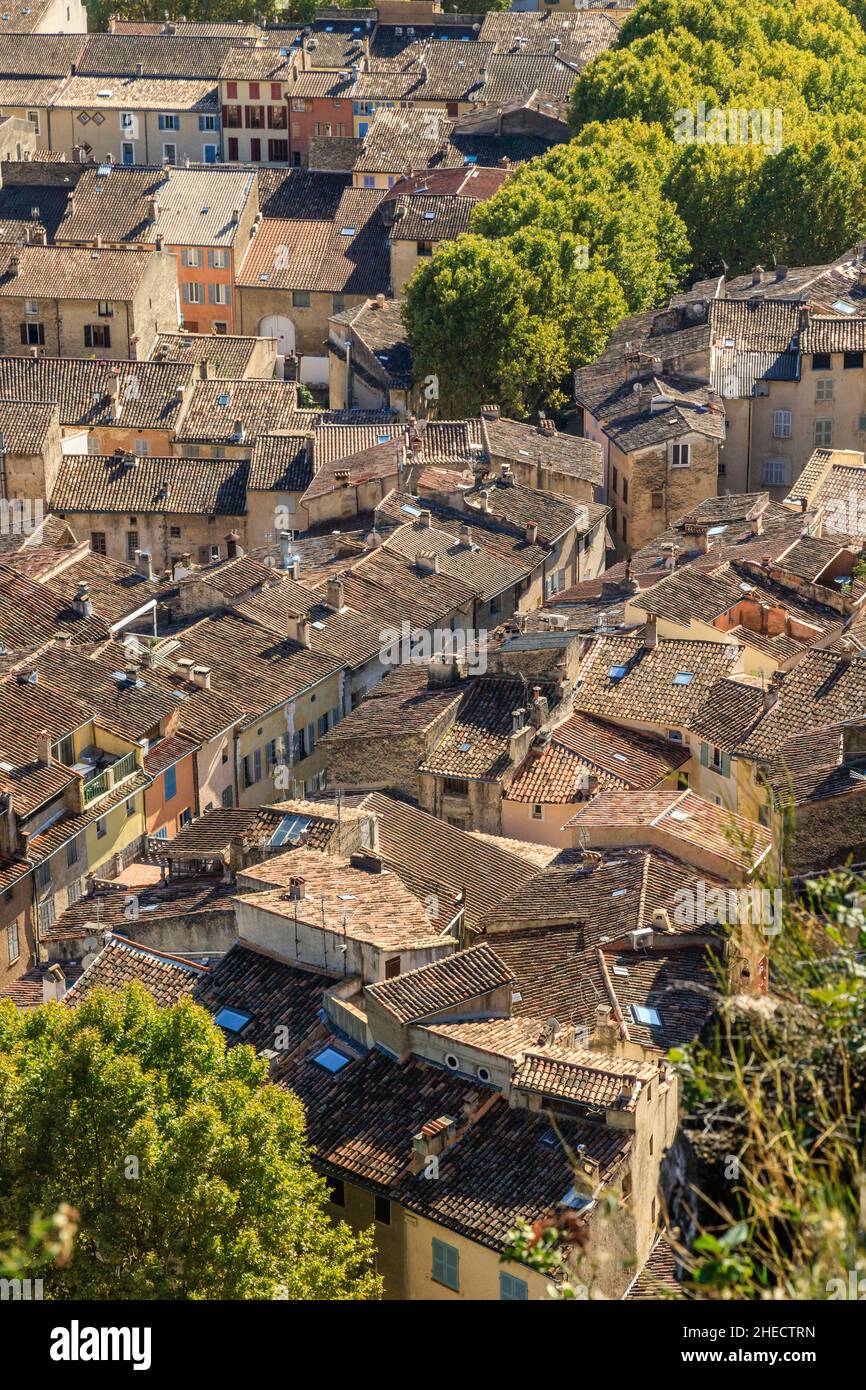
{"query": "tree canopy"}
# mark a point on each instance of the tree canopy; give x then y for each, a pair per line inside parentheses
(188, 1172)
(650, 201)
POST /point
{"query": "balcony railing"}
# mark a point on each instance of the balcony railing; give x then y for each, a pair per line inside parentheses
(109, 778)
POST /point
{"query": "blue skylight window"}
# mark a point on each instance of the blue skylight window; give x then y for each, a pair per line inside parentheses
(616, 673)
(650, 1018)
(332, 1060)
(232, 1020)
(684, 677)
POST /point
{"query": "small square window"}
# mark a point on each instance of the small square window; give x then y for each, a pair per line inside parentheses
(382, 1210)
(332, 1060)
(232, 1020)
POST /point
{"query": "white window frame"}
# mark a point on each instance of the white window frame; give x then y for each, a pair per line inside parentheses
(681, 456)
(783, 422)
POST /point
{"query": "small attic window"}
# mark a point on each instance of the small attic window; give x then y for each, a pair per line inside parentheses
(620, 757)
(382, 438)
(651, 1018)
(684, 677)
(223, 400)
(332, 1060)
(842, 308)
(578, 1201)
(616, 673)
(347, 231)
(620, 970)
(232, 1020)
(619, 892)
(548, 1139)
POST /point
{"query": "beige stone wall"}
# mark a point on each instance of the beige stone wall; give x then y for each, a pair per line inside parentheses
(649, 472)
(153, 532)
(19, 137)
(31, 476)
(310, 325)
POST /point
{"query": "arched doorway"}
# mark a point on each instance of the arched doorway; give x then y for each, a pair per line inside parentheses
(279, 327)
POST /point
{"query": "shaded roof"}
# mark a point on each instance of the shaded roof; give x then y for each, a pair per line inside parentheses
(434, 857)
(149, 484)
(260, 404)
(147, 393)
(478, 743)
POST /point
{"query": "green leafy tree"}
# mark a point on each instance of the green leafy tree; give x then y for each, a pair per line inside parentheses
(188, 1172)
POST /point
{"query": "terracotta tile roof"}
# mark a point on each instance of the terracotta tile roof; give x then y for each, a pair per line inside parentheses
(448, 984)
(350, 637)
(343, 254)
(516, 507)
(277, 996)
(731, 709)
(193, 94)
(501, 1172)
(262, 406)
(149, 484)
(402, 704)
(255, 668)
(167, 752)
(620, 757)
(434, 857)
(381, 462)
(679, 821)
(173, 900)
(193, 207)
(364, 906)
(361, 1120)
(71, 272)
(825, 688)
(644, 685)
(658, 1278)
(583, 1078)
(226, 354)
(30, 613)
(469, 560)
(27, 991)
(567, 453)
(478, 743)
(301, 194)
(160, 55)
(45, 55)
(581, 35)
(504, 1037)
(116, 590)
(168, 978)
(281, 463)
(391, 590)
(832, 476)
(681, 984)
(148, 395)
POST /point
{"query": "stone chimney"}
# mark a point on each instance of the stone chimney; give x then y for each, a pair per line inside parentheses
(758, 275)
(605, 1034)
(144, 563)
(234, 550)
(82, 603)
(425, 517)
(532, 532)
(442, 671)
(650, 631)
(490, 412)
(538, 708)
(427, 561)
(201, 676)
(53, 984)
(464, 534)
(43, 747)
(518, 720)
(285, 553)
(336, 594)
